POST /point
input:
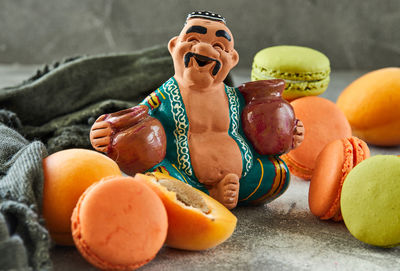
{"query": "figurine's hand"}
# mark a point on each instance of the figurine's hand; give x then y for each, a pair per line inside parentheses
(100, 134)
(298, 134)
(127, 118)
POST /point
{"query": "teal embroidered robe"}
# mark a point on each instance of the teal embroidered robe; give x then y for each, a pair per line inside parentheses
(263, 177)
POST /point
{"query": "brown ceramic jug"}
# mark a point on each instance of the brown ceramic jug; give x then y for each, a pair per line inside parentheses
(268, 119)
(138, 141)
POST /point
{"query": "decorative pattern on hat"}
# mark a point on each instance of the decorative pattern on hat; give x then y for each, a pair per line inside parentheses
(206, 15)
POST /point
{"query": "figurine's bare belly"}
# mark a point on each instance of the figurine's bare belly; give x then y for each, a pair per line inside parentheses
(214, 155)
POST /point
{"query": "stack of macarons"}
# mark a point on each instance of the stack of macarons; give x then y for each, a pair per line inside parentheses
(346, 183)
(305, 70)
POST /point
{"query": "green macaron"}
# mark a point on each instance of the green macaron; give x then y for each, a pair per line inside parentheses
(370, 201)
(305, 70)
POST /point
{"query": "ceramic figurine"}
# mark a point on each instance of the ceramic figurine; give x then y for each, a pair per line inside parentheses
(191, 127)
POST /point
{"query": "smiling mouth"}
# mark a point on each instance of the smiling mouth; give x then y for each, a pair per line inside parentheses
(202, 61)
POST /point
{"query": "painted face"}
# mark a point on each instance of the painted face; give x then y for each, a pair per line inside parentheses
(203, 53)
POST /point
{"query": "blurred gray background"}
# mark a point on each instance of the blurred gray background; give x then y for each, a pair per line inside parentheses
(358, 34)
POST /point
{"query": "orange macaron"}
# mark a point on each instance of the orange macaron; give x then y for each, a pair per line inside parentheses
(323, 122)
(119, 224)
(334, 162)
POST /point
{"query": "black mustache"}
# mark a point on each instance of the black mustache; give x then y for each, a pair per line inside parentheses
(189, 55)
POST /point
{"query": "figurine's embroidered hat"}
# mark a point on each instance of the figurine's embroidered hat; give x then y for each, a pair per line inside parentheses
(206, 15)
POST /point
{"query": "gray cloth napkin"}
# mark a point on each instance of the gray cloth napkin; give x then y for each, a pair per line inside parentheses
(24, 242)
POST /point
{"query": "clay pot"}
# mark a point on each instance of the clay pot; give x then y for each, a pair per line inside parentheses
(138, 141)
(268, 119)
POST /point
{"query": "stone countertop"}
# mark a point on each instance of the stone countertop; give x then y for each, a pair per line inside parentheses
(282, 235)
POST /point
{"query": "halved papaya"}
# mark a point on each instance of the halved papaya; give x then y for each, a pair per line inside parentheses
(195, 220)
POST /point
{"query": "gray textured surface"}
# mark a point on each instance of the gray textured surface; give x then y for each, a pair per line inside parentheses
(358, 34)
(282, 235)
